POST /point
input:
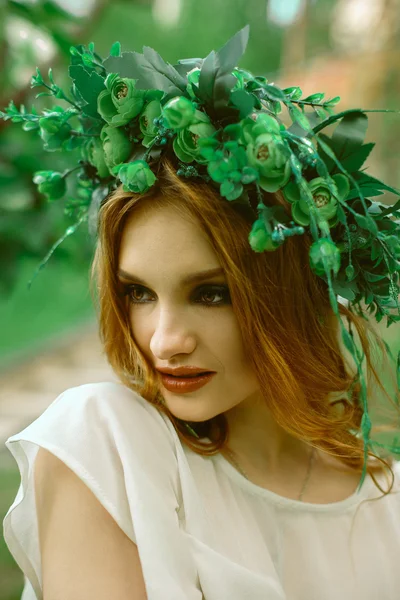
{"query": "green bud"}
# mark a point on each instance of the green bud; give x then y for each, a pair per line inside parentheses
(54, 132)
(136, 176)
(50, 183)
(324, 252)
(116, 145)
(260, 238)
(146, 121)
(179, 112)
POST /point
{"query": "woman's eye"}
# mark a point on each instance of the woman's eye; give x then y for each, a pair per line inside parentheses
(209, 292)
(210, 295)
(135, 294)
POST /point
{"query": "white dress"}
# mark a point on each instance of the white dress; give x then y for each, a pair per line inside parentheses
(202, 529)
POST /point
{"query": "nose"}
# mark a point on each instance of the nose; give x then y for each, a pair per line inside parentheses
(172, 335)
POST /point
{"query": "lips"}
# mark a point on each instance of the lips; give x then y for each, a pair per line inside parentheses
(184, 384)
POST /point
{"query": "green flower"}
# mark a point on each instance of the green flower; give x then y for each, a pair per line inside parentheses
(186, 142)
(179, 112)
(193, 78)
(260, 237)
(136, 176)
(267, 152)
(116, 146)
(54, 131)
(121, 101)
(325, 202)
(94, 153)
(146, 122)
(240, 76)
(322, 252)
(228, 165)
(51, 183)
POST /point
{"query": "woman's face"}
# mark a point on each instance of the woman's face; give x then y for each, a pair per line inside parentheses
(177, 323)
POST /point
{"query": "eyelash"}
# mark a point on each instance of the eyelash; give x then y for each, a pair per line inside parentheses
(215, 289)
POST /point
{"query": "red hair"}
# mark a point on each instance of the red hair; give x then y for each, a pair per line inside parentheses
(288, 326)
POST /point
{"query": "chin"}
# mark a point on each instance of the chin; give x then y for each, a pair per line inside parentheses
(188, 408)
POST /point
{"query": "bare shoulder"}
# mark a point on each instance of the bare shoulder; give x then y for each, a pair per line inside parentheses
(84, 552)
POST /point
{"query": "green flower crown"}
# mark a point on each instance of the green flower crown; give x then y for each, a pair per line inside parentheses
(223, 125)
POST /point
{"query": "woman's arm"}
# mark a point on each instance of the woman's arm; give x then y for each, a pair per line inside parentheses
(85, 554)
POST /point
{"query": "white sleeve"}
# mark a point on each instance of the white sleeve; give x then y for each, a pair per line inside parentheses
(122, 449)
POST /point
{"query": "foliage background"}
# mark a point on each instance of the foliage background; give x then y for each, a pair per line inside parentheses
(342, 47)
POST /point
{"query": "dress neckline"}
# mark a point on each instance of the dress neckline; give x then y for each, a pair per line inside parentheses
(289, 503)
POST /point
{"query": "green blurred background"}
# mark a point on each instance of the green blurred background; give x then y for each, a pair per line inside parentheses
(349, 48)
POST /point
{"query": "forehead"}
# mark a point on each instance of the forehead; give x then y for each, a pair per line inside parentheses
(164, 236)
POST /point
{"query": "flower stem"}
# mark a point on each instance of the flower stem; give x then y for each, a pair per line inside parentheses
(71, 171)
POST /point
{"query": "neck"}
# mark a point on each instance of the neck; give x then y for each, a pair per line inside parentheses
(260, 443)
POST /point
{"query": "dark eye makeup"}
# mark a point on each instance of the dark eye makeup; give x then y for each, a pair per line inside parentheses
(199, 295)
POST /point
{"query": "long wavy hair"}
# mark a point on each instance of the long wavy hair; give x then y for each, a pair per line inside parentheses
(287, 324)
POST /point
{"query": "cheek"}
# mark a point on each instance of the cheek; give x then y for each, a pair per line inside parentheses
(217, 333)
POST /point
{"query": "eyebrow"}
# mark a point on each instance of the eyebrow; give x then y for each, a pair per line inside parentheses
(192, 278)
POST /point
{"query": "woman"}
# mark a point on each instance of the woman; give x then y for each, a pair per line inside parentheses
(238, 477)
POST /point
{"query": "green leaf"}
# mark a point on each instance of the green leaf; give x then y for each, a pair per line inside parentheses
(370, 186)
(231, 53)
(89, 86)
(344, 291)
(274, 93)
(43, 94)
(372, 278)
(115, 49)
(298, 117)
(335, 117)
(293, 93)
(348, 341)
(389, 211)
(376, 251)
(355, 161)
(243, 101)
(341, 214)
(149, 70)
(277, 107)
(30, 125)
(216, 80)
(314, 98)
(349, 134)
(227, 187)
(367, 223)
(369, 297)
(320, 112)
(333, 101)
(163, 71)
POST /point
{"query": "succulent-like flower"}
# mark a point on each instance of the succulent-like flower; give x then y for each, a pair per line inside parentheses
(324, 251)
(121, 101)
(146, 121)
(228, 165)
(136, 176)
(94, 154)
(54, 131)
(179, 112)
(51, 183)
(186, 142)
(116, 146)
(260, 237)
(267, 151)
(325, 201)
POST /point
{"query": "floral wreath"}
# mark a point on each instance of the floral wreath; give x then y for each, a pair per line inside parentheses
(223, 124)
